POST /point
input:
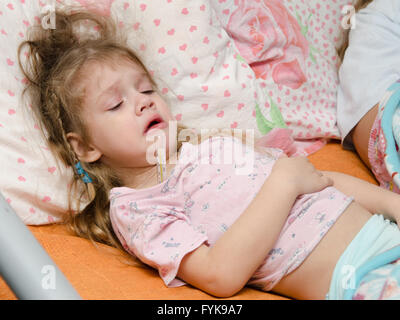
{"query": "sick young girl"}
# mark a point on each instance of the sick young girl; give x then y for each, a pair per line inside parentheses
(370, 66)
(283, 226)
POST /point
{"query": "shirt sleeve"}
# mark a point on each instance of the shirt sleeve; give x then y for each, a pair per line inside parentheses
(158, 239)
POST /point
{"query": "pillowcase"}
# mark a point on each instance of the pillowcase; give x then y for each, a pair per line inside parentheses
(32, 181)
(291, 46)
(192, 60)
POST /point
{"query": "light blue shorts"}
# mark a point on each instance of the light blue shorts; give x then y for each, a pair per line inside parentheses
(377, 244)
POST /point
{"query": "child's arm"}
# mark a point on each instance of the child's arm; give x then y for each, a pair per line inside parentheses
(373, 198)
(225, 268)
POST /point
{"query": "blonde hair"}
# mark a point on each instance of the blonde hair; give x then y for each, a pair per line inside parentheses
(360, 4)
(53, 68)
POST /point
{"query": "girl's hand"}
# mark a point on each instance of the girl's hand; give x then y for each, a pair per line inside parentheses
(299, 176)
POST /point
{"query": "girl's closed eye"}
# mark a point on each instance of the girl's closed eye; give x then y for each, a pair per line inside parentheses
(116, 107)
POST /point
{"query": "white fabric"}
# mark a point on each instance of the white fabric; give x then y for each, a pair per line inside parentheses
(371, 63)
(31, 180)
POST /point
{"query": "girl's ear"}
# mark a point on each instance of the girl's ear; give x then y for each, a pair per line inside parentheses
(84, 152)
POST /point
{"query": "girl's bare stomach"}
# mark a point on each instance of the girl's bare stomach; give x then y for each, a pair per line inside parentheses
(311, 280)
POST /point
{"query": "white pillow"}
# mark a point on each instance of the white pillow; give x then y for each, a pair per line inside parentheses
(193, 62)
(31, 180)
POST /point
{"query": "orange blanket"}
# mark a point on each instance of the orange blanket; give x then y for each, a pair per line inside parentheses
(98, 273)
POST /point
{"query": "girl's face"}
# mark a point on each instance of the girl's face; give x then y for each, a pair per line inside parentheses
(119, 105)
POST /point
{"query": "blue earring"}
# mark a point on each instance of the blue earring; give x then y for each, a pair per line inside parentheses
(84, 175)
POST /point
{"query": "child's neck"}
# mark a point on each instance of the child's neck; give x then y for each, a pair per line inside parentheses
(149, 176)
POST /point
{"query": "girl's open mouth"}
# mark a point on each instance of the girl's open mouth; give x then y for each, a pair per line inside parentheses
(155, 123)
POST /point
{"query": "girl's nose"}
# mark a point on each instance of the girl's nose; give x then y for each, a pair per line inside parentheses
(145, 103)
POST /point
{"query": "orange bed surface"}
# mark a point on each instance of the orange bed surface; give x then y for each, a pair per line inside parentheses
(98, 273)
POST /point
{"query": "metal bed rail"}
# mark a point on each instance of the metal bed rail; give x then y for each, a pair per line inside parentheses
(25, 266)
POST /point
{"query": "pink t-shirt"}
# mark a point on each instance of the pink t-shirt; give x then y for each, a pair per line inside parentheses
(209, 188)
